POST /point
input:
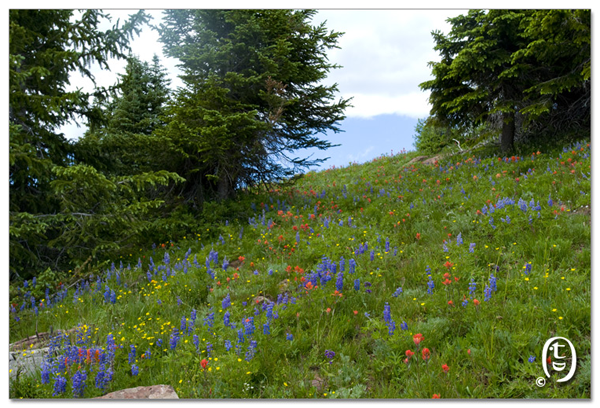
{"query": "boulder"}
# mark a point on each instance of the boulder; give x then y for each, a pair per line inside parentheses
(160, 391)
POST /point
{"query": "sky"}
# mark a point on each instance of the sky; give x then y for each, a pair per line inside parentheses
(384, 56)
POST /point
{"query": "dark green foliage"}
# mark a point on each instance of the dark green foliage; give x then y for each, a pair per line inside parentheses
(63, 210)
(498, 63)
(251, 97)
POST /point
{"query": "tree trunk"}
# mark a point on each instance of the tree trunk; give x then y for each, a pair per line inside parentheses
(223, 188)
(508, 132)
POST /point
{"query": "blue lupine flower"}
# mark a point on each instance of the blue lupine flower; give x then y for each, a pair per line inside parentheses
(387, 316)
(174, 339)
(444, 247)
(209, 348)
(352, 265)
(134, 370)
(550, 202)
(113, 297)
(183, 324)
(226, 302)
(167, 259)
(472, 287)
(527, 268)
(46, 366)
(459, 240)
(329, 354)
(251, 350)
(487, 292)
(397, 292)
(60, 385)
(100, 377)
(492, 281)
(289, 337)
(210, 319)
(240, 336)
(249, 326)
(339, 283)
(531, 359)
(227, 345)
(226, 317)
(78, 384)
(430, 285)
(132, 354)
(357, 284)
(472, 247)
(404, 326)
(266, 328)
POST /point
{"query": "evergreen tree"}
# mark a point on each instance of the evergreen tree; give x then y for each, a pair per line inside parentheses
(499, 62)
(63, 210)
(252, 96)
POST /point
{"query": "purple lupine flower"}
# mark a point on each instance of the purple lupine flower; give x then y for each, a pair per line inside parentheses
(397, 292)
(135, 370)
(227, 345)
(339, 282)
(60, 385)
(78, 384)
(472, 247)
(289, 337)
(132, 354)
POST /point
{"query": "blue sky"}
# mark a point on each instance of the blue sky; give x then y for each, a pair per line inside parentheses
(364, 139)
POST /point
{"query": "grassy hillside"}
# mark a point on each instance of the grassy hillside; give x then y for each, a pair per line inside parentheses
(470, 263)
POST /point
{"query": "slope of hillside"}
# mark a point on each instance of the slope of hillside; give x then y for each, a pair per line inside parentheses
(384, 280)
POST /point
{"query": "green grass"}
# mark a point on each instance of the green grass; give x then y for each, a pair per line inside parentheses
(415, 209)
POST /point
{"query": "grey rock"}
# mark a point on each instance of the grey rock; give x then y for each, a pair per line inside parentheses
(160, 391)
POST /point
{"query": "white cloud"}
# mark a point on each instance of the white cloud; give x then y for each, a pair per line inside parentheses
(384, 55)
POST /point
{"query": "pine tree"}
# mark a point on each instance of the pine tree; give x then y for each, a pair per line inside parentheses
(252, 96)
(62, 209)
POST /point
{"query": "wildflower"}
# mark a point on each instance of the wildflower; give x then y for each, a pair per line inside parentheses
(531, 359)
(226, 302)
(476, 302)
(329, 354)
(430, 286)
(78, 384)
(487, 292)
(289, 337)
(357, 284)
(227, 345)
(409, 353)
(445, 368)
(134, 370)
(404, 326)
(174, 339)
(426, 354)
(60, 385)
(397, 292)
(132, 354)
(472, 287)
(203, 363)
(339, 283)
(435, 396)
(472, 247)
(418, 338)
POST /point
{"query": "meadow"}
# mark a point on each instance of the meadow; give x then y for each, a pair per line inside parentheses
(389, 279)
